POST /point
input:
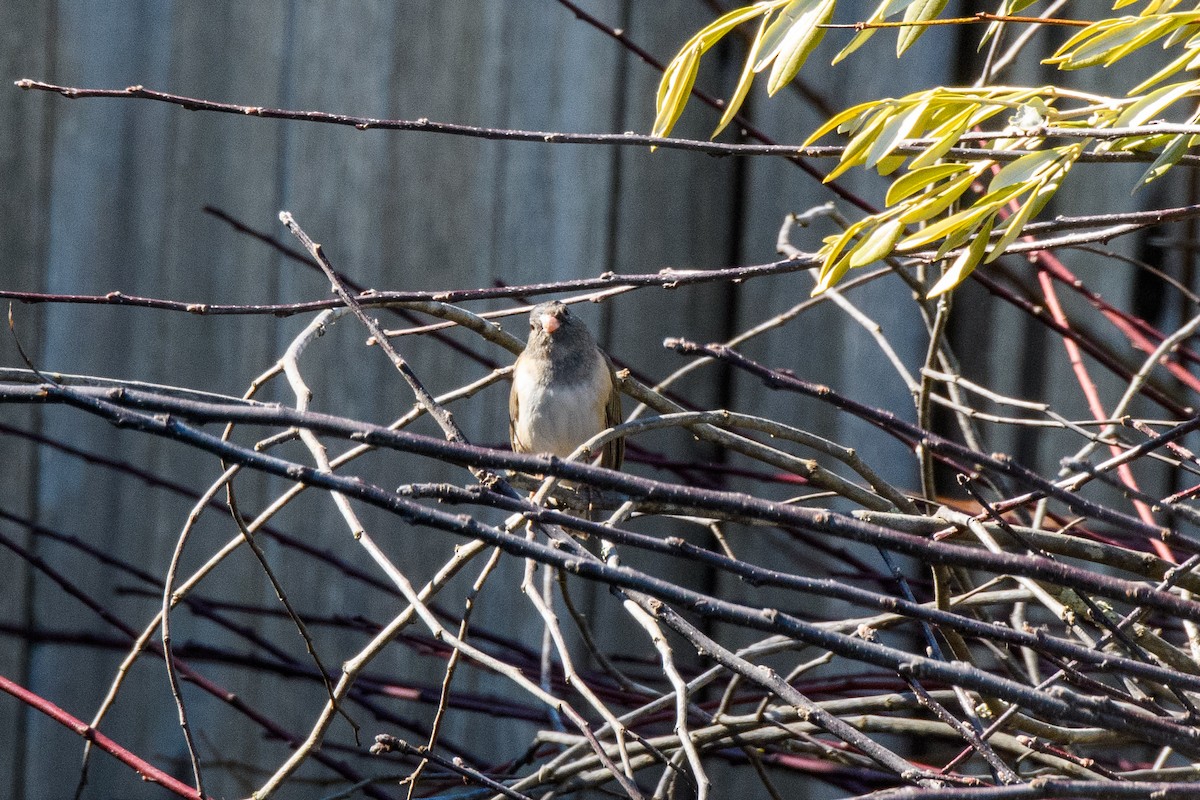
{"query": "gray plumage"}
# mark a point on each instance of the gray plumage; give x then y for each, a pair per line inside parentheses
(564, 389)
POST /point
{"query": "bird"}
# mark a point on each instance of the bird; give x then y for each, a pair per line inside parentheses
(564, 389)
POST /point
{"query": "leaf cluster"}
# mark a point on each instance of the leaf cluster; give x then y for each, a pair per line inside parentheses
(956, 207)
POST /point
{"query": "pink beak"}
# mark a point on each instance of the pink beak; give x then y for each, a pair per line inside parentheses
(550, 323)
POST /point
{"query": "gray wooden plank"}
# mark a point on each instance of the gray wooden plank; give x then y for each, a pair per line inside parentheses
(24, 130)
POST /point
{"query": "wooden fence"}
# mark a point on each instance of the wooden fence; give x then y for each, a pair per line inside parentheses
(104, 195)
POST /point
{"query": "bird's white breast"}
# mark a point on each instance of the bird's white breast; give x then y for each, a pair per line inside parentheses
(557, 419)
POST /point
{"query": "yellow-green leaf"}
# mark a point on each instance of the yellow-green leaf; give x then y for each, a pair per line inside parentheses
(1108, 41)
(880, 14)
(831, 276)
(853, 114)
(747, 77)
(955, 240)
(1067, 56)
(1148, 107)
(1010, 8)
(680, 74)
(675, 89)
(1137, 37)
(1042, 191)
(963, 220)
(917, 179)
(919, 11)
(856, 150)
(946, 136)
(897, 129)
(839, 243)
(858, 41)
(1168, 158)
(1075, 40)
(941, 197)
(877, 244)
(712, 33)
(1189, 59)
(1172, 28)
(965, 264)
(804, 35)
(1016, 223)
(1181, 34)
(778, 31)
(890, 164)
(891, 7)
(1025, 169)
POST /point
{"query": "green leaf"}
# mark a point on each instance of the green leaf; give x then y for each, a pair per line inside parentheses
(877, 244)
(946, 135)
(919, 11)
(1149, 106)
(852, 117)
(747, 77)
(803, 36)
(963, 220)
(681, 72)
(965, 264)
(883, 12)
(712, 33)
(675, 88)
(897, 129)
(856, 150)
(1016, 223)
(1169, 157)
(778, 31)
(914, 181)
(1024, 169)
(838, 244)
(941, 197)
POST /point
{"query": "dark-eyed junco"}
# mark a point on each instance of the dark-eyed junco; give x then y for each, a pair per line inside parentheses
(564, 389)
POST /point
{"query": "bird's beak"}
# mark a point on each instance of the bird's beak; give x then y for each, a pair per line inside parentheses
(550, 323)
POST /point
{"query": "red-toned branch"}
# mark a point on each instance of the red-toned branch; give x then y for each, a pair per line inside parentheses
(145, 769)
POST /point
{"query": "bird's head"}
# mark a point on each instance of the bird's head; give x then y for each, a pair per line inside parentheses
(547, 318)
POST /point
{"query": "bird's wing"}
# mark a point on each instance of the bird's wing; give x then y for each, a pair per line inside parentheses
(614, 450)
(514, 408)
